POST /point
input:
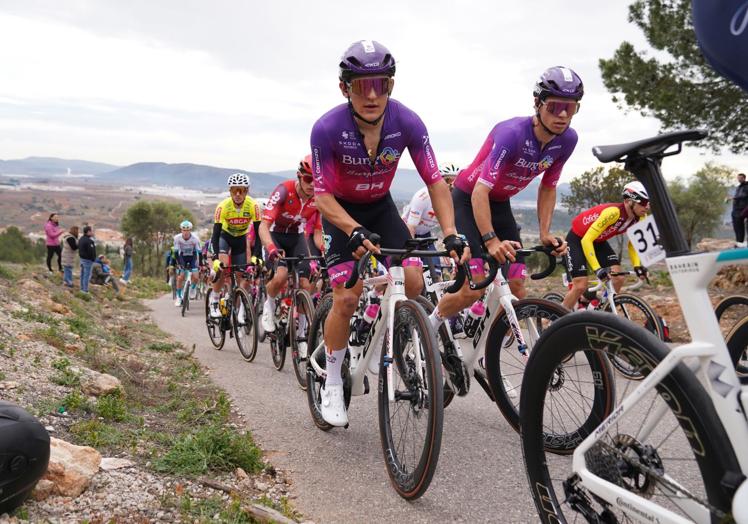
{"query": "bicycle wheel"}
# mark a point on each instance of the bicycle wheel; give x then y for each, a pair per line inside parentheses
(504, 360)
(672, 437)
(173, 285)
(186, 297)
(640, 313)
(737, 344)
(215, 325)
(442, 341)
(278, 342)
(314, 381)
(553, 297)
(411, 427)
(300, 322)
(730, 310)
(245, 331)
(260, 297)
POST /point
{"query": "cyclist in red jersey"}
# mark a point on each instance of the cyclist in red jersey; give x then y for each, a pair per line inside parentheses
(290, 207)
(588, 246)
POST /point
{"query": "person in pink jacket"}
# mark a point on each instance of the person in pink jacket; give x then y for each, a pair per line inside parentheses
(53, 231)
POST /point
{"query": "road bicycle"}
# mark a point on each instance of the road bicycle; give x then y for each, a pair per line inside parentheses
(237, 314)
(410, 383)
(186, 288)
(674, 449)
(294, 313)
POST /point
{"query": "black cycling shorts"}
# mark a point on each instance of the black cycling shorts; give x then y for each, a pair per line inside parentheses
(293, 245)
(576, 262)
(237, 246)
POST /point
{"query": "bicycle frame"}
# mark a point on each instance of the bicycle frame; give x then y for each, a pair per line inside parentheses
(691, 274)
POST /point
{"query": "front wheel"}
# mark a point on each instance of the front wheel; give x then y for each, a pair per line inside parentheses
(299, 325)
(215, 325)
(186, 299)
(505, 359)
(670, 448)
(443, 341)
(410, 426)
(245, 325)
(278, 343)
(737, 344)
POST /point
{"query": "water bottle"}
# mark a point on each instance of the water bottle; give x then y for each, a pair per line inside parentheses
(363, 325)
(474, 316)
(222, 306)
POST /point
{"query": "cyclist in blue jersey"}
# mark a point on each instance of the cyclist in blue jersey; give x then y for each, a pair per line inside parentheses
(187, 248)
(356, 147)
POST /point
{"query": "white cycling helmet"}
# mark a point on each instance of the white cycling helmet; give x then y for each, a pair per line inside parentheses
(449, 169)
(261, 203)
(238, 180)
(635, 191)
(186, 225)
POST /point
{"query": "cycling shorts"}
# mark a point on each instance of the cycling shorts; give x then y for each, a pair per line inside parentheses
(293, 245)
(236, 246)
(504, 225)
(381, 217)
(431, 261)
(576, 262)
(189, 262)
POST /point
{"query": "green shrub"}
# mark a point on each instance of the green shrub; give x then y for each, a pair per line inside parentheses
(112, 406)
(16, 247)
(66, 376)
(75, 401)
(97, 434)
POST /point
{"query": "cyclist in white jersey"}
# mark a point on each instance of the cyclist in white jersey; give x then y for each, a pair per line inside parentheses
(188, 252)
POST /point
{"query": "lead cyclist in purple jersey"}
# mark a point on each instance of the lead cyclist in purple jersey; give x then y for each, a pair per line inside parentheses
(355, 151)
(516, 151)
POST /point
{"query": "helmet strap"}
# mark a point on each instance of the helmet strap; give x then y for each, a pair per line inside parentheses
(540, 119)
(370, 122)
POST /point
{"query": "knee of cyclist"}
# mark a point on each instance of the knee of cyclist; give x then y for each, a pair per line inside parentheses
(518, 288)
(413, 288)
(345, 303)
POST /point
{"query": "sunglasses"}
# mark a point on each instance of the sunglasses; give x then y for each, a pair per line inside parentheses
(306, 178)
(642, 202)
(238, 190)
(556, 108)
(363, 86)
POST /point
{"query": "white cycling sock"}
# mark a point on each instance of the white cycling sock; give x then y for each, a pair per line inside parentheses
(436, 319)
(270, 304)
(334, 364)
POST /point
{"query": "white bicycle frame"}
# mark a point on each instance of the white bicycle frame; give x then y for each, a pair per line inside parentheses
(381, 332)
(690, 274)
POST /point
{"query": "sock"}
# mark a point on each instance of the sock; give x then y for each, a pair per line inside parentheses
(179, 293)
(436, 319)
(334, 364)
(270, 304)
(193, 286)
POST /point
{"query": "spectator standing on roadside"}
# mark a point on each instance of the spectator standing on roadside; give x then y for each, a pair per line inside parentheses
(69, 244)
(127, 252)
(87, 253)
(739, 207)
(53, 232)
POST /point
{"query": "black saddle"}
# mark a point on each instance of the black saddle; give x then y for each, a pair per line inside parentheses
(653, 147)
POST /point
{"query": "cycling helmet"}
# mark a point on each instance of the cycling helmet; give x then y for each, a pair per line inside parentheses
(186, 224)
(559, 81)
(238, 180)
(635, 191)
(24, 454)
(449, 169)
(261, 203)
(306, 164)
(366, 57)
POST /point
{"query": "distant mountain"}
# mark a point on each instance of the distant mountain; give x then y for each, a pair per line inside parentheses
(47, 166)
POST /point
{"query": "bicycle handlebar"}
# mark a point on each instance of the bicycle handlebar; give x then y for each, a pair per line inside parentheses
(292, 260)
(547, 250)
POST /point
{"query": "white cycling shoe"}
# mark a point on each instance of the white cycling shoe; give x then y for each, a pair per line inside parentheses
(333, 405)
(215, 311)
(178, 302)
(268, 322)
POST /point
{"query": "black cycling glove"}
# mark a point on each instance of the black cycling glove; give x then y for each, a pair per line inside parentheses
(603, 274)
(641, 271)
(358, 235)
(455, 243)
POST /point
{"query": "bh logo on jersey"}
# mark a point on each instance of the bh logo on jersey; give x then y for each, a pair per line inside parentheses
(328, 240)
(388, 156)
(545, 163)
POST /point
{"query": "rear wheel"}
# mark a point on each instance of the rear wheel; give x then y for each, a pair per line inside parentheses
(410, 427)
(215, 332)
(245, 325)
(670, 448)
(300, 324)
(730, 310)
(737, 343)
(554, 297)
(442, 341)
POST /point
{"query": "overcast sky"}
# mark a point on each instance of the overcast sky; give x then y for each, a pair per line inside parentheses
(239, 84)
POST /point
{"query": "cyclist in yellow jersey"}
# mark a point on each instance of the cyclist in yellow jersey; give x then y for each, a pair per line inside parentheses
(588, 246)
(233, 218)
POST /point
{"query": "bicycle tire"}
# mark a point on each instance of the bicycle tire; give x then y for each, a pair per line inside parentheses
(505, 365)
(245, 333)
(278, 346)
(303, 309)
(215, 330)
(728, 302)
(737, 344)
(428, 307)
(411, 478)
(315, 381)
(553, 296)
(173, 285)
(690, 409)
(651, 322)
(186, 298)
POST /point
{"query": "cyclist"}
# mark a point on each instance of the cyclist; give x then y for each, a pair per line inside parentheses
(284, 220)
(233, 218)
(588, 246)
(515, 152)
(420, 217)
(355, 151)
(188, 254)
(171, 262)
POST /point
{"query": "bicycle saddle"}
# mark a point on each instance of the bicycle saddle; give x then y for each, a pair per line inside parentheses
(648, 147)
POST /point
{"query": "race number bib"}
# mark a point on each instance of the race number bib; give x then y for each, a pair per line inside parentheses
(643, 236)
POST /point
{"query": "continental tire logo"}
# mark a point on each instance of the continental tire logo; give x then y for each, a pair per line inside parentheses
(739, 20)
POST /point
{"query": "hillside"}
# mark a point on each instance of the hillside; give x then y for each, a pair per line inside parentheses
(48, 166)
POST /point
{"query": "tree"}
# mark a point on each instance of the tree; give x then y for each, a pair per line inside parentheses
(152, 225)
(700, 202)
(17, 247)
(679, 89)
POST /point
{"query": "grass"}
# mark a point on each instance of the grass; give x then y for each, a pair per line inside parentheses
(204, 510)
(75, 401)
(51, 335)
(210, 448)
(65, 375)
(283, 506)
(7, 273)
(78, 325)
(660, 278)
(147, 287)
(2, 376)
(31, 315)
(98, 434)
(112, 407)
(166, 347)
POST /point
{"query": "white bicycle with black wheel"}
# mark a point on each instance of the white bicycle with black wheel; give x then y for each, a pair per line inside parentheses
(676, 448)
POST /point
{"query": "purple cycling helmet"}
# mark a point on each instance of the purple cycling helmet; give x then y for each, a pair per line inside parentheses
(559, 81)
(366, 57)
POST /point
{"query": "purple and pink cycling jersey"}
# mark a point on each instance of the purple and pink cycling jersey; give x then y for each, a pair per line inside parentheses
(511, 157)
(340, 162)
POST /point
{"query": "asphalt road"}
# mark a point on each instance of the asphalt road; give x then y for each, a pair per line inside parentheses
(339, 476)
